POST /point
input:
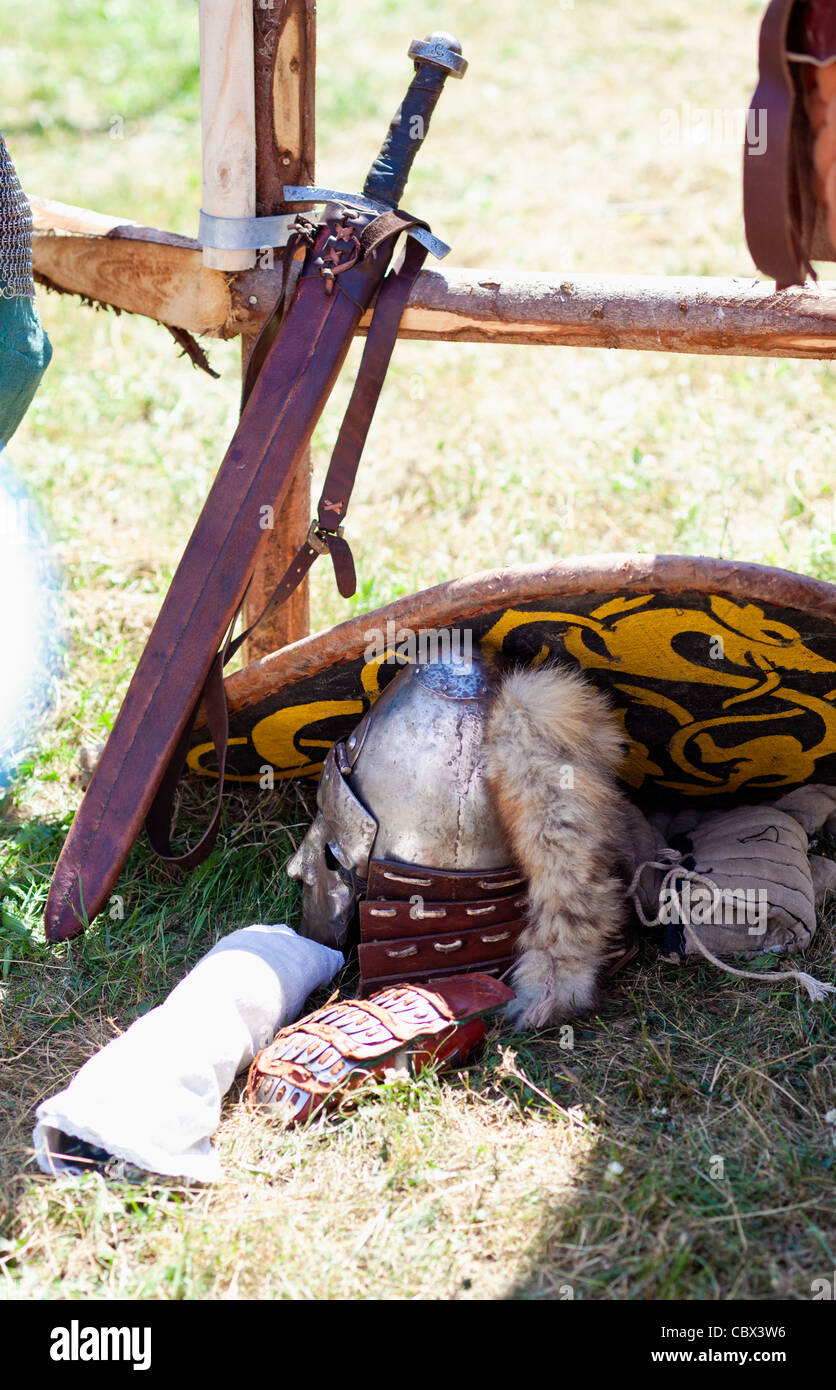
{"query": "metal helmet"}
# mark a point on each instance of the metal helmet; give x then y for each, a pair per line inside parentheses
(407, 788)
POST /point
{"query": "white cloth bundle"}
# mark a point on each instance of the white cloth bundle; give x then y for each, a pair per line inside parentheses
(153, 1096)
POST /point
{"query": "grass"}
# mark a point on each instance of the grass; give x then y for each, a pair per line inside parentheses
(676, 1149)
(680, 1149)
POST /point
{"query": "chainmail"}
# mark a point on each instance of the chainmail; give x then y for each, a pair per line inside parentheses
(15, 233)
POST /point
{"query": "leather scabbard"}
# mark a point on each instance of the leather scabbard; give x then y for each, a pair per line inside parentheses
(273, 433)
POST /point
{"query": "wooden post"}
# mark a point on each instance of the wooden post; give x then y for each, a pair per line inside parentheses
(285, 70)
(227, 117)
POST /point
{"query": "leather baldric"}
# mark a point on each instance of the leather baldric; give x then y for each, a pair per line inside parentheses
(138, 772)
(325, 535)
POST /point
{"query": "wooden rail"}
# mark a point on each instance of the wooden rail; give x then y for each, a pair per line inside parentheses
(162, 276)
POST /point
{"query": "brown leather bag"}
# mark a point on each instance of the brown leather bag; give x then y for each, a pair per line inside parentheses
(789, 203)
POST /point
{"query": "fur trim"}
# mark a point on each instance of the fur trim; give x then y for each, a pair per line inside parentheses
(552, 745)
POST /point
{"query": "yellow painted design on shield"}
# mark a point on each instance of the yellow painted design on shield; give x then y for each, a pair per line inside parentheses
(278, 737)
(193, 761)
(370, 674)
(633, 638)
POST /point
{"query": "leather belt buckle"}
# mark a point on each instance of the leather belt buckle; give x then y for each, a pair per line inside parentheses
(317, 537)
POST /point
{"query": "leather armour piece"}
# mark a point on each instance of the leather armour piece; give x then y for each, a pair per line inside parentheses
(316, 1061)
(433, 923)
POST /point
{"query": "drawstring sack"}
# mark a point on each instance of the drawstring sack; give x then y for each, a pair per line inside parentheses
(738, 882)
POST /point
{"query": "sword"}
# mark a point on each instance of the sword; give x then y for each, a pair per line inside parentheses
(304, 348)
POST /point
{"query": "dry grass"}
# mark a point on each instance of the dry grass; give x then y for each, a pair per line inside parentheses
(538, 1173)
(498, 1182)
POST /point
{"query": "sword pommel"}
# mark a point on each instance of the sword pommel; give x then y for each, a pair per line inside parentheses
(436, 58)
(441, 49)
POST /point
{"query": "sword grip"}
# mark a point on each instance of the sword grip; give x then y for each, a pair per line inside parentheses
(436, 58)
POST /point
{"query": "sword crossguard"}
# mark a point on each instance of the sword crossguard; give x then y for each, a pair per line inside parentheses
(308, 193)
(436, 58)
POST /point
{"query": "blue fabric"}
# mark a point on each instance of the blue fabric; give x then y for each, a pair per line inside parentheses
(25, 353)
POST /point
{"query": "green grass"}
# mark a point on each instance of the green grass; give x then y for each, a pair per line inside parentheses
(497, 1181)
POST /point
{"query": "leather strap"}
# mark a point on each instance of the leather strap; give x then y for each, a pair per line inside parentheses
(384, 919)
(390, 879)
(441, 953)
(296, 247)
(342, 470)
(351, 440)
(495, 969)
(323, 535)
